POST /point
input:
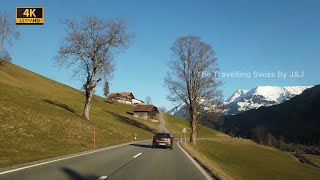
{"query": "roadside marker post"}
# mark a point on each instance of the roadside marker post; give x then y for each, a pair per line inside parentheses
(184, 130)
(94, 138)
(135, 136)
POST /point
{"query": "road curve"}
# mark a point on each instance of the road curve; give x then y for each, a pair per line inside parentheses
(133, 161)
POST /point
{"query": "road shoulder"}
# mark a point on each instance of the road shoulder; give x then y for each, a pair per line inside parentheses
(200, 166)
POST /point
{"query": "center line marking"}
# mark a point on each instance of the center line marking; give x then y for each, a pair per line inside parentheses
(102, 177)
(136, 155)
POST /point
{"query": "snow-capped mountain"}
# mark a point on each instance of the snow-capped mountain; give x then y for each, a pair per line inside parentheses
(243, 100)
(236, 95)
(179, 111)
(182, 111)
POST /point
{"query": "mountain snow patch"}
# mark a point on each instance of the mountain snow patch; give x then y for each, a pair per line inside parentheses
(243, 100)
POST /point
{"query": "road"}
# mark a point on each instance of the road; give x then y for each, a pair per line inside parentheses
(132, 161)
(162, 123)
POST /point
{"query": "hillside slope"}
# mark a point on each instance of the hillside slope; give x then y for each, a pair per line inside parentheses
(176, 125)
(295, 119)
(40, 118)
(235, 158)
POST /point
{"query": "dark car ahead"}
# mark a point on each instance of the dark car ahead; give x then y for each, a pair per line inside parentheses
(162, 140)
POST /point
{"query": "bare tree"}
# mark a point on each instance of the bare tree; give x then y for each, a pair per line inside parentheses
(5, 56)
(268, 139)
(8, 32)
(259, 133)
(148, 100)
(281, 143)
(106, 89)
(163, 109)
(91, 46)
(191, 78)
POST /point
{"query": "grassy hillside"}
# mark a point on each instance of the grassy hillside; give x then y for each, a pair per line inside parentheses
(232, 158)
(40, 118)
(176, 124)
(297, 120)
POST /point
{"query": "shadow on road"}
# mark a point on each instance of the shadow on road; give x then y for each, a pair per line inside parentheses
(142, 145)
(148, 146)
(74, 175)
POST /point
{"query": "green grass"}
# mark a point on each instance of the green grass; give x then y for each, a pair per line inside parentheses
(313, 158)
(230, 158)
(176, 124)
(41, 118)
(243, 159)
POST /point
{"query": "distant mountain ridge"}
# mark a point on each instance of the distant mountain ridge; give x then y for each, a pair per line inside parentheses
(296, 119)
(243, 100)
(236, 95)
(179, 111)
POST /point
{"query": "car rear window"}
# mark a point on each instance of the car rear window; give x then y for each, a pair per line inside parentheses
(163, 135)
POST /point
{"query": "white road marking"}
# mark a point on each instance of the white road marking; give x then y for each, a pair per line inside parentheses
(60, 159)
(196, 164)
(136, 155)
(102, 177)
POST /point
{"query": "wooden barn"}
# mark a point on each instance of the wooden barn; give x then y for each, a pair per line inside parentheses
(145, 111)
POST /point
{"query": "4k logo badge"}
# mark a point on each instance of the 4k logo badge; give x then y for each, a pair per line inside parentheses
(30, 15)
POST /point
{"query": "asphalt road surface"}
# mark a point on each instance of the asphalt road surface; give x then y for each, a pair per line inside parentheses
(163, 123)
(137, 161)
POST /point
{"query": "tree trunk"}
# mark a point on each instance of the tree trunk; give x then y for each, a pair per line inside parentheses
(193, 124)
(87, 105)
(193, 132)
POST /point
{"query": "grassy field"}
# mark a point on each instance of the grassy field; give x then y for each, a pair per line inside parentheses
(314, 158)
(176, 124)
(232, 158)
(40, 118)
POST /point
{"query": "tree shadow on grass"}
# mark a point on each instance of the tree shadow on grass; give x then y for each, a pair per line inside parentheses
(61, 105)
(74, 175)
(131, 122)
(108, 101)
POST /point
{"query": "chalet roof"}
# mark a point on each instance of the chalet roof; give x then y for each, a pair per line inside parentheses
(122, 94)
(113, 94)
(144, 108)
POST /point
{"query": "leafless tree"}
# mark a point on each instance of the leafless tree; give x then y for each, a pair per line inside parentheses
(281, 143)
(191, 79)
(148, 100)
(5, 56)
(163, 109)
(90, 46)
(268, 139)
(259, 133)
(8, 32)
(106, 89)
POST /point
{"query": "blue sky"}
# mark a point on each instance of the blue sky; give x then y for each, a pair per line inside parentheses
(248, 36)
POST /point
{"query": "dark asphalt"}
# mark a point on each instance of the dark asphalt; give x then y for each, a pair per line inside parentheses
(117, 163)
